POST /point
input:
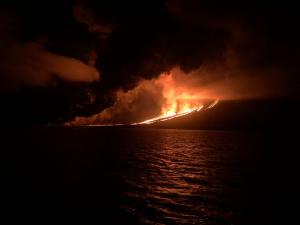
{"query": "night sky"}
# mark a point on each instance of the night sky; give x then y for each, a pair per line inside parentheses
(218, 80)
(63, 59)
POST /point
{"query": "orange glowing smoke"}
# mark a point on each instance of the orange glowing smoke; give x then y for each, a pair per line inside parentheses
(170, 95)
(178, 100)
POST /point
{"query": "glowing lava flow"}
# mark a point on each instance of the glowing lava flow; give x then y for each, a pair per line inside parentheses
(170, 95)
(172, 115)
(164, 118)
(179, 99)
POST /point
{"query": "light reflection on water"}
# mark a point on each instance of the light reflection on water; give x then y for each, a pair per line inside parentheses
(144, 176)
(185, 177)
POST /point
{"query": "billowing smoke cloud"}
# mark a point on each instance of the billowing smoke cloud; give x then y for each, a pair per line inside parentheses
(44, 78)
(142, 102)
(172, 90)
(29, 63)
(226, 51)
(154, 37)
(241, 72)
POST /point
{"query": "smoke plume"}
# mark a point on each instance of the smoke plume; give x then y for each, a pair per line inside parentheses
(30, 64)
(207, 49)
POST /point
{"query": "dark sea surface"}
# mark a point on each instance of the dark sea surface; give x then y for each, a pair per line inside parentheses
(145, 176)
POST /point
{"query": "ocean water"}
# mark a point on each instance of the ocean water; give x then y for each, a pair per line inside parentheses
(143, 176)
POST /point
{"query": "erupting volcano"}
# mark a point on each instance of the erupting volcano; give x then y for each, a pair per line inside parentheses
(168, 96)
(184, 109)
(150, 112)
(179, 100)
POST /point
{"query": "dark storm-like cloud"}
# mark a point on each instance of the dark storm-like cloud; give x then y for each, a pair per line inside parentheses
(227, 50)
(29, 63)
(151, 37)
(147, 40)
(43, 77)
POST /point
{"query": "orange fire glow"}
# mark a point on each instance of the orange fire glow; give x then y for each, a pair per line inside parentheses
(168, 96)
(179, 100)
(170, 115)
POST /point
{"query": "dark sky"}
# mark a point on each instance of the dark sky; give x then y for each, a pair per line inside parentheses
(61, 58)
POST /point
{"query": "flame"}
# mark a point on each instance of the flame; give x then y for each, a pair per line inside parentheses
(179, 101)
(170, 95)
(170, 116)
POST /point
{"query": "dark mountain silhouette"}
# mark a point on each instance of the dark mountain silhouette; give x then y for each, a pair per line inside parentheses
(239, 115)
